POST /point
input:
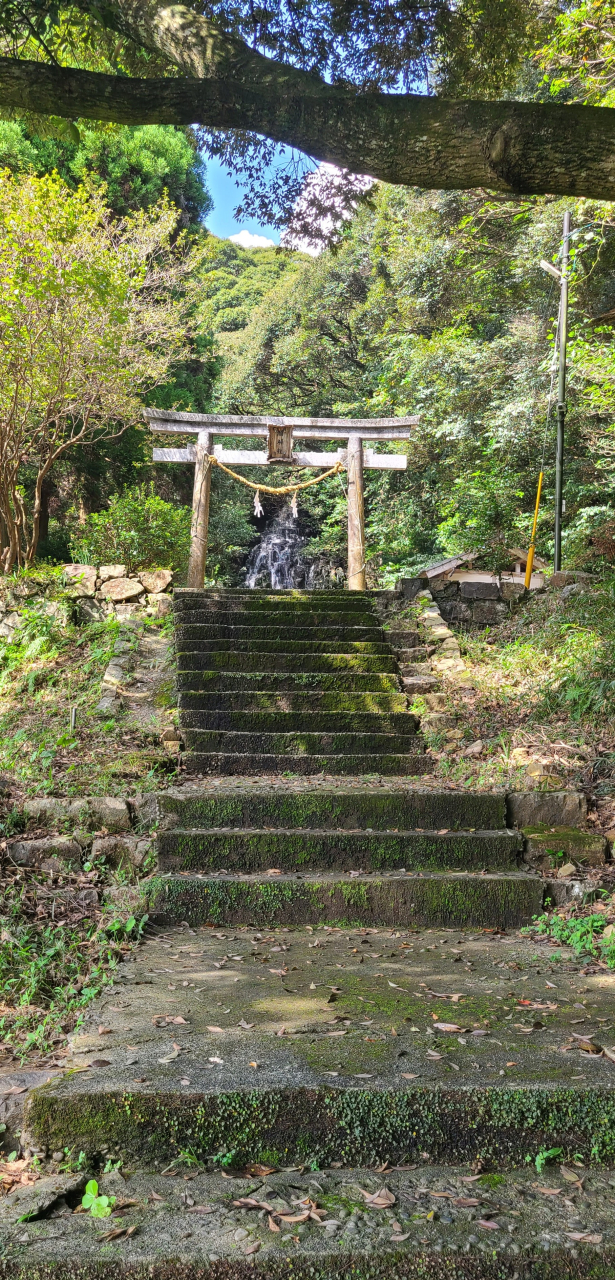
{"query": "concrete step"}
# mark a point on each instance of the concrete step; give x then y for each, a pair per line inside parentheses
(270, 630)
(300, 721)
(305, 703)
(304, 742)
(187, 638)
(254, 765)
(428, 1231)
(295, 849)
(449, 899)
(297, 681)
(194, 659)
(283, 615)
(401, 637)
(350, 1069)
(334, 808)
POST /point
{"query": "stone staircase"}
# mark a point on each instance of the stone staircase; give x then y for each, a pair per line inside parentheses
(302, 682)
(334, 1057)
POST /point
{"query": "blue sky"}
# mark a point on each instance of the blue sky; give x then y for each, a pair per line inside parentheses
(226, 196)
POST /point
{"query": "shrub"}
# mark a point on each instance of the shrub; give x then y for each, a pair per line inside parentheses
(138, 529)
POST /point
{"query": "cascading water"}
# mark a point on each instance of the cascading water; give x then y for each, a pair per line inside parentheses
(276, 562)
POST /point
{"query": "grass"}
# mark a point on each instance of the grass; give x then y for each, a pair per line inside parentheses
(582, 929)
(542, 701)
(52, 664)
(56, 955)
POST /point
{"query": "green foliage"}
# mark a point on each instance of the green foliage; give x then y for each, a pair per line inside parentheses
(583, 933)
(233, 281)
(579, 58)
(138, 529)
(545, 1156)
(99, 1206)
(135, 164)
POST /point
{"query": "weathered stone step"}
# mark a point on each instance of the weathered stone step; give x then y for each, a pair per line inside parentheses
(450, 899)
(441, 1238)
(194, 659)
(389, 1085)
(303, 721)
(270, 630)
(303, 742)
(333, 808)
(403, 638)
(188, 638)
(299, 681)
(297, 849)
(285, 615)
(232, 765)
(362, 703)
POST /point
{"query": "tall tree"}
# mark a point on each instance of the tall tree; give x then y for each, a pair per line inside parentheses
(322, 76)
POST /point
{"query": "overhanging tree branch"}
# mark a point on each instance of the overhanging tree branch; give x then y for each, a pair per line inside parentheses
(407, 139)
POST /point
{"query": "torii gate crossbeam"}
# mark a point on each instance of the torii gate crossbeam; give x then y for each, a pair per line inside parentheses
(279, 433)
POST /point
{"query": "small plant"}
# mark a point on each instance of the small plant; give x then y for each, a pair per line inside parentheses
(99, 1206)
(544, 1157)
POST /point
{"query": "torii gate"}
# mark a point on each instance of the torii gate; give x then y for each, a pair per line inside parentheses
(279, 433)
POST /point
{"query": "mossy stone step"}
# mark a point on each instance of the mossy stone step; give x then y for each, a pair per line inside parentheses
(190, 638)
(236, 765)
(350, 1066)
(294, 849)
(303, 742)
(271, 630)
(359, 1242)
(450, 899)
(333, 808)
(362, 703)
(298, 681)
(300, 721)
(285, 615)
(305, 660)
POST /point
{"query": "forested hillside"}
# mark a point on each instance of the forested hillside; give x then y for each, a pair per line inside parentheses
(437, 305)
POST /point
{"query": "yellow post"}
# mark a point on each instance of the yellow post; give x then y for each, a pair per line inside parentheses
(530, 557)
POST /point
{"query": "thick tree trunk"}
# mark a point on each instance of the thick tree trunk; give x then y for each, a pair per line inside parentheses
(428, 142)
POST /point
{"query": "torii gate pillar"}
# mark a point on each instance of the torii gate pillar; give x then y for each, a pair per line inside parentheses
(356, 516)
(200, 511)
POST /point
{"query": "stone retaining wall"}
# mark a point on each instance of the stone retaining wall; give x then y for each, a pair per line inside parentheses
(100, 592)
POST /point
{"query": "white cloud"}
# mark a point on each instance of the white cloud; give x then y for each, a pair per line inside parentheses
(246, 240)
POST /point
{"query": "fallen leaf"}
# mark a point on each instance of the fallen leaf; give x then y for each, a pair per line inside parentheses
(488, 1224)
(170, 1057)
(118, 1232)
(448, 1026)
(279, 973)
(394, 984)
(584, 1236)
(247, 1026)
(432, 1054)
(253, 1248)
(473, 1178)
(407, 1075)
(218, 1061)
(105, 1031)
(382, 1199)
(217, 1030)
(99, 1062)
(14, 1088)
(200, 1208)
(398, 1239)
(273, 1226)
(466, 1202)
(570, 1175)
(548, 1191)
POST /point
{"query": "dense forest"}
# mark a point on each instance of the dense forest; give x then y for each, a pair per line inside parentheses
(427, 302)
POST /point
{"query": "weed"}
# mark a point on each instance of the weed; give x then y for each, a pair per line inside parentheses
(544, 1157)
(582, 933)
(99, 1206)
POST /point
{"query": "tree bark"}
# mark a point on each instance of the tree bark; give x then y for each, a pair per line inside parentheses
(398, 138)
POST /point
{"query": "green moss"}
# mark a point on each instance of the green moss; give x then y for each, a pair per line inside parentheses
(353, 1125)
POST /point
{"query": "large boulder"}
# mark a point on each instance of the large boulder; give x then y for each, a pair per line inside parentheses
(81, 580)
(108, 571)
(156, 580)
(117, 589)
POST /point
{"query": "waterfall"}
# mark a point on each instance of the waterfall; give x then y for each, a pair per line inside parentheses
(276, 562)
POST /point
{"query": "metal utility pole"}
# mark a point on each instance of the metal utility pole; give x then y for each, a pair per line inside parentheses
(561, 395)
